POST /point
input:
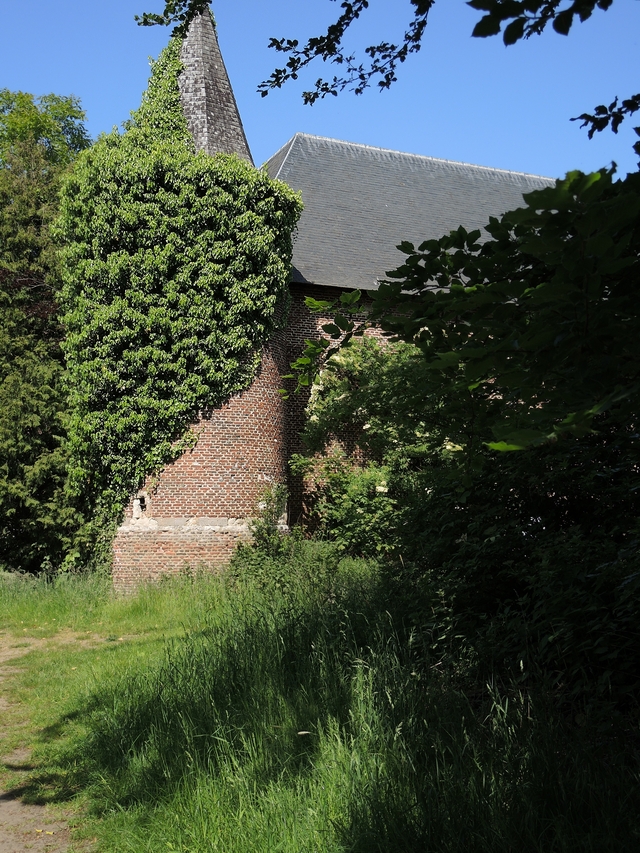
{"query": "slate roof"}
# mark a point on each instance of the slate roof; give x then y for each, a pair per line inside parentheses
(360, 202)
(207, 98)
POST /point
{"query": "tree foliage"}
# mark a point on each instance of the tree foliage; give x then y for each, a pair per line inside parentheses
(39, 137)
(612, 116)
(506, 420)
(35, 525)
(55, 122)
(175, 268)
(540, 316)
(29, 184)
(178, 12)
(527, 561)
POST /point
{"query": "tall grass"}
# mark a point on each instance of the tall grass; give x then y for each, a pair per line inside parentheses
(295, 714)
(42, 606)
(38, 601)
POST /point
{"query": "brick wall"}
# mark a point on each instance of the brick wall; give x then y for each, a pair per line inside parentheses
(196, 510)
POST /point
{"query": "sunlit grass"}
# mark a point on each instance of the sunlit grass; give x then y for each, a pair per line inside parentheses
(207, 715)
(37, 606)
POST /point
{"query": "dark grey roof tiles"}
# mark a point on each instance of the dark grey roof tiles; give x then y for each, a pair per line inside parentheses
(207, 97)
(360, 202)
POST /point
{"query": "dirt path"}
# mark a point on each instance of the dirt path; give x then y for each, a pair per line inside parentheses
(24, 828)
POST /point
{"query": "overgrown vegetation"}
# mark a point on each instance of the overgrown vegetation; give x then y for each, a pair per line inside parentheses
(39, 138)
(505, 422)
(308, 718)
(170, 272)
(175, 270)
(455, 665)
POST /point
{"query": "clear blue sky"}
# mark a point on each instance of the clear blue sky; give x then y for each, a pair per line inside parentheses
(460, 98)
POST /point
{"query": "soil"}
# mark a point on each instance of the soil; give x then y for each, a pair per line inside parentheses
(25, 827)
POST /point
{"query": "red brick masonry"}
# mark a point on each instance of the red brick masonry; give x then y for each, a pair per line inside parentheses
(197, 509)
(194, 513)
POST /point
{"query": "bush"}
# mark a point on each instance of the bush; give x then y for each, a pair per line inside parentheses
(524, 563)
(349, 503)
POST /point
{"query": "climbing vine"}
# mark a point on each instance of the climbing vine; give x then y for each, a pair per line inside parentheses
(175, 268)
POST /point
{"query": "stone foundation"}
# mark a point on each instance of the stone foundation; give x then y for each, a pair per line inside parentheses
(147, 548)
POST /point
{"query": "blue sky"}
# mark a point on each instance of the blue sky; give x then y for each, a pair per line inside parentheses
(460, 98)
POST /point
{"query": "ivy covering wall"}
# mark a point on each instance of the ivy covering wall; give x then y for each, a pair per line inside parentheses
(175, 271)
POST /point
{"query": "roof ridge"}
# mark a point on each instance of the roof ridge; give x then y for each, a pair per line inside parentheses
(419, 156)
(290, 144)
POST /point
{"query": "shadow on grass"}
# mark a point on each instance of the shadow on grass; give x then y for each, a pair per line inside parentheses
(253, 687)
(45, 789)
(223, 697)
(252, 696)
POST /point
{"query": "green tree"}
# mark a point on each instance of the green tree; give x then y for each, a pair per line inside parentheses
(56, 122)
(509, 433)
(39, 137)
(35, 524)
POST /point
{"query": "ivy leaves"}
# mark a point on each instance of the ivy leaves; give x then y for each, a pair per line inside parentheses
(175, 269)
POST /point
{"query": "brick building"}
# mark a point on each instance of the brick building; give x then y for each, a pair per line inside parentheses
(360, 202)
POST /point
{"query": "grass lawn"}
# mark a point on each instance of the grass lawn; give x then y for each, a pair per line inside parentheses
(295, 715)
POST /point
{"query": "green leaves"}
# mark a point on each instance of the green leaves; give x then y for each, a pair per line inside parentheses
(35, 520)
(39, 137)
(538, 325)
(178, 12)
(518, 440)
(544, 311)
(530, 17)
(175, 270)
(53, 121)
(486, 26)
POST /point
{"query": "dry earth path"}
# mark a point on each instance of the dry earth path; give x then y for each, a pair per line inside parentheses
(25, 827)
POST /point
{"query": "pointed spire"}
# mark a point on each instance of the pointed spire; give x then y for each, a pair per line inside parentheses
(207, 98)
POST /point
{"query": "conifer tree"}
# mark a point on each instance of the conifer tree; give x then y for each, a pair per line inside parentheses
(39, 137)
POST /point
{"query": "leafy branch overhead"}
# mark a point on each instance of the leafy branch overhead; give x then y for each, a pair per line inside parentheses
(516, 19)
(522, 20)
(613, 115)
(541, 316)
(178, 12)
(384, 58)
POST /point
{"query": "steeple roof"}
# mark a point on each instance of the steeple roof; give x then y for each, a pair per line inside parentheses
(207, 98)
